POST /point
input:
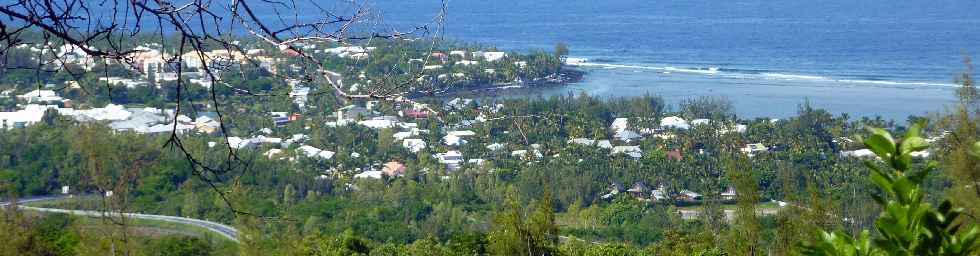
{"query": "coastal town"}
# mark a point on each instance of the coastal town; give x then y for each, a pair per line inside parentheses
(470, 128)
(452, 132)
(414, 128)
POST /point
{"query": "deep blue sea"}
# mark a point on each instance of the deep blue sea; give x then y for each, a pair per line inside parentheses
(865, 57)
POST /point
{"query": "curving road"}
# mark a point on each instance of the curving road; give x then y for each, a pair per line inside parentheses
(224, 230)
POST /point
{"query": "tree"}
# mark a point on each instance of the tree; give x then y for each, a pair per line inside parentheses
(344, 244)
(132, 33)
(745, 235)
(963, 130)
(908, 225)
(177, 246)
(677, 243)
(612, 250)
(967, 93)
(468, 244)
(715, 108)
(515, 234)
(50, 117)
(561, 51)
(385, 141)
(25, 235)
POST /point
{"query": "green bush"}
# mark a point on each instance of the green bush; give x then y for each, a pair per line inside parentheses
(908, 225)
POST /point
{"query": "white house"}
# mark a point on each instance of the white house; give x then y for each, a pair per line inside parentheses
(674, 122)
(524, 153)
(165, 77)
(619, 124)
(413, 131)
(496, 146)
(312, 152)
(369, 175)
(401, 135)
(345, 51)
(110, 112)
(239, 143)
(266, 140)
(691, 195)
(467, 62)
(296, 138)
(753, 148)
(477, 161)
(494, 56)
(729, 194)
(460, 53)
(413, 145)
(627, 135)
(379, 123)
(858, 153)
(702, 121)
(40, 96)
(450, 158)
(30, 115)
(457, 103)
(659, 194)
(453, 140)
(464, 133)
(180, 128)
(581, 141)
(300, 95)
(604, 144)
(632, 151)
(739, 128)
(127, 82)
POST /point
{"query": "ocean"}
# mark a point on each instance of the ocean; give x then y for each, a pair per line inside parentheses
(865, 58)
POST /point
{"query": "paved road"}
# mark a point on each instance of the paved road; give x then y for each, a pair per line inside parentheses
(336, 80)
(334, 77)
(224, 230)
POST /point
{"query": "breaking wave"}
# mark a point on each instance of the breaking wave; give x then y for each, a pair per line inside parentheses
(758, 75)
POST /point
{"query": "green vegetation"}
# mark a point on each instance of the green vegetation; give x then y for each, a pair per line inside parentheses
(471, 209)
(561, 197)
(390, 64)
(177, 246)
(908, 225)
(44, 236)
(59, 234)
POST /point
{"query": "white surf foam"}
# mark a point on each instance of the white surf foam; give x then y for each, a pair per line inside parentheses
(713, 71)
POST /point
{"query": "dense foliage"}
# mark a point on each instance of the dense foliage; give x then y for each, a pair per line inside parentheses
(465, 209)
(558, 203)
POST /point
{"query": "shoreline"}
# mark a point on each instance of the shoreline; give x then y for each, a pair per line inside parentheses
(567, 75)
(764, 98)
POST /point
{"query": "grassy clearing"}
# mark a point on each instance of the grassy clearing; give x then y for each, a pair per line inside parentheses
(88, 202)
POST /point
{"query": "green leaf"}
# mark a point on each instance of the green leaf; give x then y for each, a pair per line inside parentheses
(880, 142)
(914, 130)
(975, 150)
(882, 181)
(902, 162)
(920, 176)
(912, 144)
